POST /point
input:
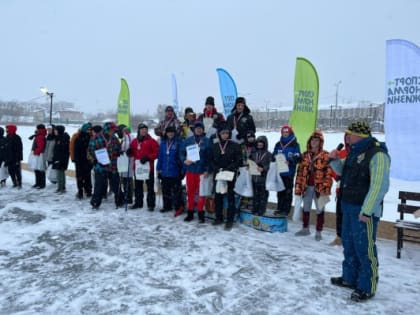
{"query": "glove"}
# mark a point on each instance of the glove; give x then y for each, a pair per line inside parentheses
(144, 160)
(31, 137)
(290, 156)
(159, 176)
(129, 152)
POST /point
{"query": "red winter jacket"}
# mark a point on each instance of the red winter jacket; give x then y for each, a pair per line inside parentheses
(146, 148)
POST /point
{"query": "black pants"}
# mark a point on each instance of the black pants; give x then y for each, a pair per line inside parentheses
(84, 180)
(126, 189)
(40, 179)
(259, 202)
(171, 193)
(114, 183)
(15, 173)
(285, 197)
(139, 194)
(99, 190)
(218, 202)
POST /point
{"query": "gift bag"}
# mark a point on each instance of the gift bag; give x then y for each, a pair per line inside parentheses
(142, 170)
(273, 181)
(4, 173)
(36, 162)
(206, 186)
(221, 187)
(52, 174)
(243, 184)
(297, 212)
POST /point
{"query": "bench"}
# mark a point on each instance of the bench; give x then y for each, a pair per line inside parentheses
(407, 230)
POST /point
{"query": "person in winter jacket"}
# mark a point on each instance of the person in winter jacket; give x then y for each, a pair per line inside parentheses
(262, 157)
(38, 148)
(170, 119)
(61, 157)
(338, 212)
(225, 156)
(97, 144)
(113, 146)
(169, 169)
(364, 183)
(126, 187)
(144, 149)
(187, 127)
(313, 182)
(14, 155)
(195, 168)
(82, 165)
(49, 145)
(211, 118)
(289, 147)
(240, 120)
(3, 150)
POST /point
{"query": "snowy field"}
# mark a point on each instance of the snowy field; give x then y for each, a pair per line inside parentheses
(57, 256)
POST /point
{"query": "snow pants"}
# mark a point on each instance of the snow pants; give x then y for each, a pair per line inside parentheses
(193, 188)
(171, 193)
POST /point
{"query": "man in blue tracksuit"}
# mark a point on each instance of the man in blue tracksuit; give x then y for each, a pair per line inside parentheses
(364, 183)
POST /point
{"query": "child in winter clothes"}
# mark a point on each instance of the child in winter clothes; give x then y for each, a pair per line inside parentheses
(262, 157)
(61, 157)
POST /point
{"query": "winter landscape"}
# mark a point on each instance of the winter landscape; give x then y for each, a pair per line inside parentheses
(58, 256)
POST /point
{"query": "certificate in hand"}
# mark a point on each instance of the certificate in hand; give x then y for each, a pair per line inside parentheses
(281, 163)
(253, 168)
(102, 156)
(225, 175)
(193, 152)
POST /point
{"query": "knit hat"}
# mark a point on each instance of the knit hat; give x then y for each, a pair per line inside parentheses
(209, 101)
(240, 100)
(86, 127)
(287, 128)
(141, 126)
(110, 126)
(170, 129)
(97, 128)
(359, 128)
(40, 126)
(188, 110)
(199, 123)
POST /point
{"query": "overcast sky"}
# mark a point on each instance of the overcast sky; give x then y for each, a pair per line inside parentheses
(80, 49)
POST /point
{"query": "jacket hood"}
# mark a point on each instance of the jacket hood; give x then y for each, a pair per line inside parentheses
(60, 129)
(11, 129)
(316, 134)
(264, 140)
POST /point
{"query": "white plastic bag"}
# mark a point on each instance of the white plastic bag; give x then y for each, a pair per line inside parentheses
(36, 162)
(4, 172)
(297, 212)
(273, 181)
(243, 184)
(52, 174)
(221, 187)
(142, 170)
(206, 186)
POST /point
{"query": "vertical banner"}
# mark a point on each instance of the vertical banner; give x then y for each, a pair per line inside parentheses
(227, 90)
(174, 94)
(402, 108)
(304, 116)
(123, 112)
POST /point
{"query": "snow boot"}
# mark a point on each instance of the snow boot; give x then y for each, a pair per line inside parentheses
(318, 236)
(201, 216)
(303, 232)
(190, 216)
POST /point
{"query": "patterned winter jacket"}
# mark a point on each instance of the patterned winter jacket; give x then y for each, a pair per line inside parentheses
(113, 147)
(318, 164)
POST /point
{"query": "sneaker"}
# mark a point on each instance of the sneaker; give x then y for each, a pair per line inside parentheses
(228, 226)
(217, 222)
(336, 241)
(361, 296)
(318, 236)
(338, 281)
(303, 232)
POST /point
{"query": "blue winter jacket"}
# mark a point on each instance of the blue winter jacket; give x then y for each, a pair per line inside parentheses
(203, 165)
(291, 150)
(169, 162)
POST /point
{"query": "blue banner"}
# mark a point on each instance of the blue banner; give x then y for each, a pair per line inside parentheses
(227, 90)
(175, 94)
(402, 108)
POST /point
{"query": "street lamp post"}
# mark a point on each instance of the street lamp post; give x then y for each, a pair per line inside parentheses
(51, 95)
(336, 102)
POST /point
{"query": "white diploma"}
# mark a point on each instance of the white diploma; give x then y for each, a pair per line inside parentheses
(281, 163)
(193, 152)
(102, 156)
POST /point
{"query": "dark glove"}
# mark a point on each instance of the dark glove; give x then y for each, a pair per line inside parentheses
(31, 137)
(129, 152)
(159, 176)
(144, 160)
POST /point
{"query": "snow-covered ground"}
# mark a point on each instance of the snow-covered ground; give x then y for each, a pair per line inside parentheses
(57, 256)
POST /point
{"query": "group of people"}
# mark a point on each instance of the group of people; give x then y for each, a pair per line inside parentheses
(208, 150)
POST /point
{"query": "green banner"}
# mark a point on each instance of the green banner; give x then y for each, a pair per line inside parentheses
(305, 107)
(123, 112)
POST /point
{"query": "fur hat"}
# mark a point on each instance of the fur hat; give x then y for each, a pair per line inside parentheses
(209, 101)
(359, 128)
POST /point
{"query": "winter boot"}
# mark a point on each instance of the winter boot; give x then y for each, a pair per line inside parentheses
(228, 226)
(303, 232)
(320, 221)
(201, 216)
(36, 185)
(318, 236)
(190, 216)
